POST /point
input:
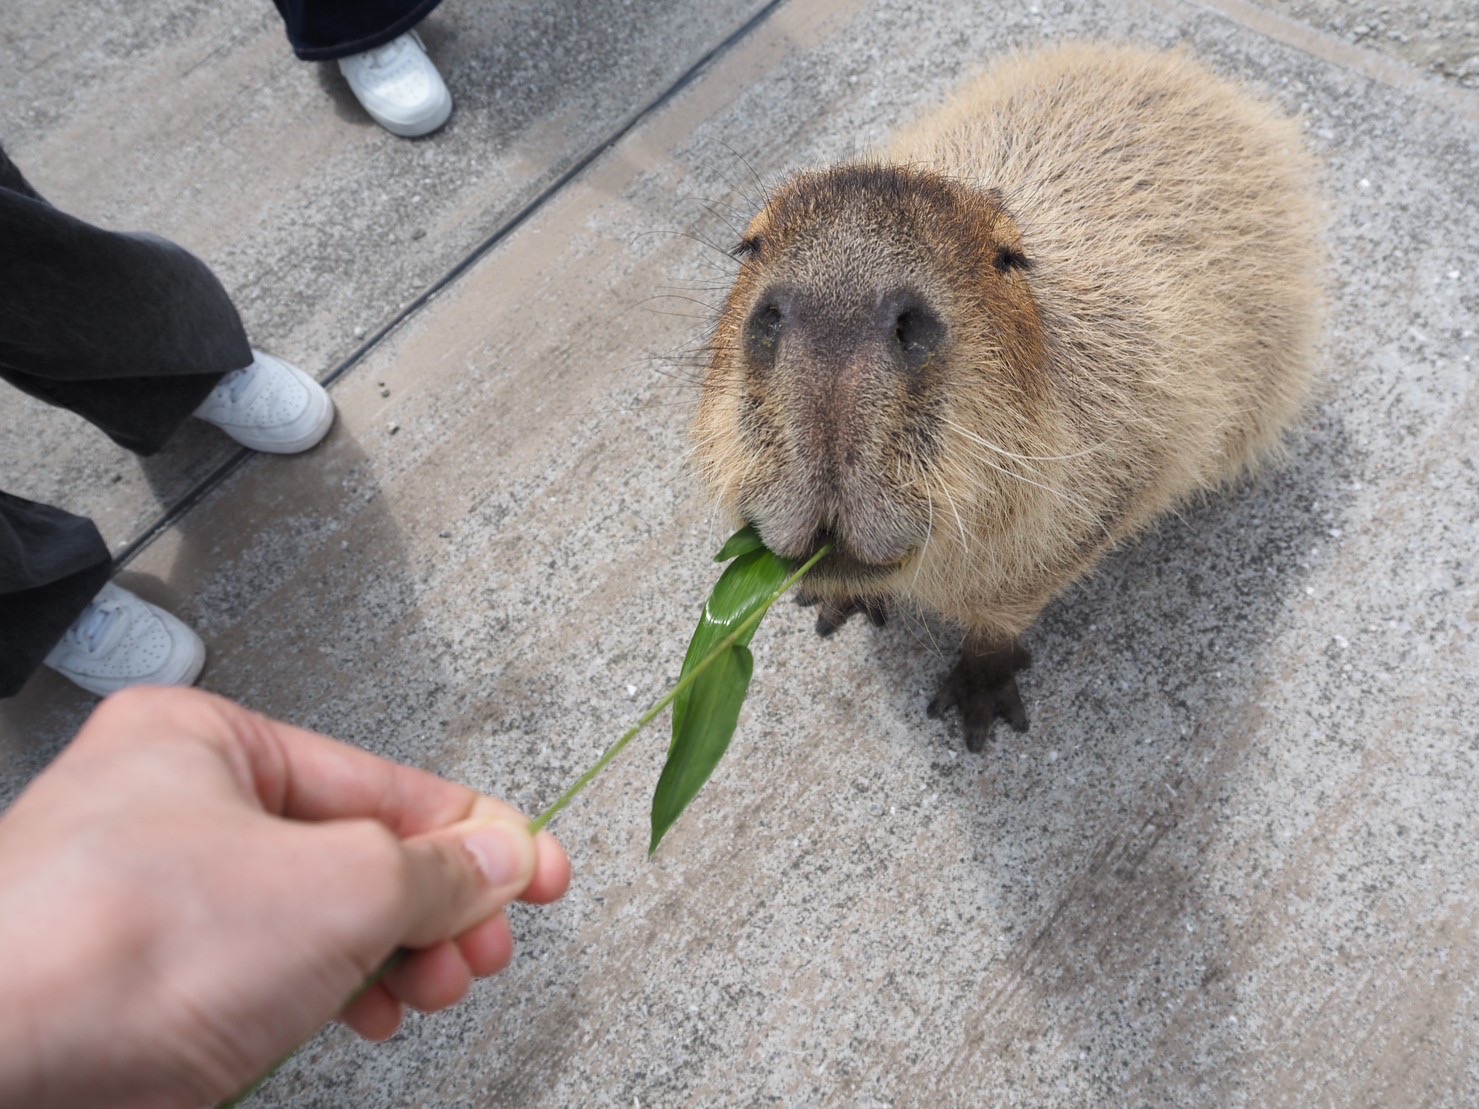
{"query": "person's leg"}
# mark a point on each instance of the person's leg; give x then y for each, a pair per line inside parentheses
(129, 331)
(327, 30)
(135, 335)
(381, 57)
(51, 565)
(58, 608)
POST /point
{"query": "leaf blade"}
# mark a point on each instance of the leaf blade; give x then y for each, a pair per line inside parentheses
(713, 713)
(706, 713)
(744, 541)
(747, 584)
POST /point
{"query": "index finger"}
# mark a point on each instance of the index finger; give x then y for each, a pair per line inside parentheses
(302, 775)
(299, 774)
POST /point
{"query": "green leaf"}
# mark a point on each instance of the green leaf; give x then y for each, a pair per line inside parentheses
(744, 541)
(694, 668)
(706, 711)
(745, 586)
(713, 707)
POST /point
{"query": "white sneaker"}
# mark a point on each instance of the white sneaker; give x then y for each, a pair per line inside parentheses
(123, 640)
(399, 86)
(269, 406)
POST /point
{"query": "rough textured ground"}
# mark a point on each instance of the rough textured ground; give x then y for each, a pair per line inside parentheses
(1234, 862)
(1440, 38)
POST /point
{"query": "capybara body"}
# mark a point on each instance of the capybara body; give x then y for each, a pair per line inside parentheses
(1080, 294)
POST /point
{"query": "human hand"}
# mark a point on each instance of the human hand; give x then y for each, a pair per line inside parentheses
(191, 890)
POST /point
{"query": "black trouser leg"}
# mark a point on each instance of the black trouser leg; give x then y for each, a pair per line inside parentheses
(129, 331)
(51, 565)
(322, 30)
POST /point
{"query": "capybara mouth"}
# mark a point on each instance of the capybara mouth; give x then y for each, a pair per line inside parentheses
(842, 563)
(843, 567)
(854, 559)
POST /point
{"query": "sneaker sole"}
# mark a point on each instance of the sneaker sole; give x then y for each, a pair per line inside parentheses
(434, 120)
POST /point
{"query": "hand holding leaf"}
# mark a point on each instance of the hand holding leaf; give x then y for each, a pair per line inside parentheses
(706, 700)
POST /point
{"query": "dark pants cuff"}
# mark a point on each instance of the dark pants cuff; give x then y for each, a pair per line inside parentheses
(51, 565)
(324, 30)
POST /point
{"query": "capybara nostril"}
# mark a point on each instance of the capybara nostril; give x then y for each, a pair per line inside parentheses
(917, 333)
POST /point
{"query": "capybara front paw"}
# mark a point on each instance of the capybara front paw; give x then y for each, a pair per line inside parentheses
(832, 614)
(983, 686)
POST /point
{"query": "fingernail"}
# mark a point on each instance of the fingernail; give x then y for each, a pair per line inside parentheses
(504, 852)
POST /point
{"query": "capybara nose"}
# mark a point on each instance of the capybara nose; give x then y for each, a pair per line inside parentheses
(896, 324)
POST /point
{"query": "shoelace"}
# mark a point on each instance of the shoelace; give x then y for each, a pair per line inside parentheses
(382, 57)
(89, 629)
(233, 384)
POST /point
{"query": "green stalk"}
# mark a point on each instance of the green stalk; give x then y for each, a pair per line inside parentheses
(745, 625)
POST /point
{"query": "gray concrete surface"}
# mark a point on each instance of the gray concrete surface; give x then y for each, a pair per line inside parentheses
(1441, 38)
(1234, 862)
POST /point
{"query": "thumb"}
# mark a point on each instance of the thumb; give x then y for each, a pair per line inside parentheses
(460, 875)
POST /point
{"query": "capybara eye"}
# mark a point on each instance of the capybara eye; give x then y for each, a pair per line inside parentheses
(1008, 259)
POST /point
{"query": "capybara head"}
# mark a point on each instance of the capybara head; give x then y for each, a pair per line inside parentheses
(880, 343)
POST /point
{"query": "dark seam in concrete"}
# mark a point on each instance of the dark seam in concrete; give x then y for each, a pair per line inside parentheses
(218, 476)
